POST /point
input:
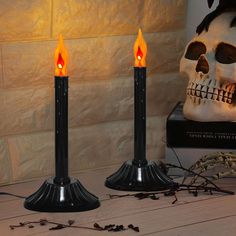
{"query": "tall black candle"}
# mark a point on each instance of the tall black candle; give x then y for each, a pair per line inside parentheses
(61, 129)
(61, 193)
(140, 116)
(140, 52)
(139, 174)
(61, 114)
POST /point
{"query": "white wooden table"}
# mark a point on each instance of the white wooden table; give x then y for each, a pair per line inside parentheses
(203, 215)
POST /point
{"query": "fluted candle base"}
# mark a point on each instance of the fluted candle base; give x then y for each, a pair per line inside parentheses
(149, 177)
(71, 197)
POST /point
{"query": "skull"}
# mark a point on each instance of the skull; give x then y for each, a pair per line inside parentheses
(209, 62)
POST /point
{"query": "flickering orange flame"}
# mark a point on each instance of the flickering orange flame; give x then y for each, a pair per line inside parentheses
(61, 58)
(140, 50)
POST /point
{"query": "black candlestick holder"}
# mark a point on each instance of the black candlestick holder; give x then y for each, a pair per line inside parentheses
(61, 193)
(139, 174)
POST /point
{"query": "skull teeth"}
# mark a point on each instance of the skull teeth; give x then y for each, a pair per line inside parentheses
(198, 91)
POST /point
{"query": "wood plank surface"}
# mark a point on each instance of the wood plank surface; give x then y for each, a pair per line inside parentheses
(189, 216)
(91, 179)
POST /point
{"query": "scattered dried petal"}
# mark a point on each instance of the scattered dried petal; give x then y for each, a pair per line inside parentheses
(110, 227)
(169, 193)
(97, 226)
(141, 196)
(175, 201)
(136, 229)
(58, 227)
(71, 222)
(117, 228)
(107, 227)
(43, 222)
(155, 197)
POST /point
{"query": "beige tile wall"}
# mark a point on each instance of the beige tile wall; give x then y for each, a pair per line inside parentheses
(99, 35)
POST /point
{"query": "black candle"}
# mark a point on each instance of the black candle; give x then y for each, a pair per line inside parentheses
(140, 115)
(61, 129)
(139, 174)
(61, 193)
(140, 51)
(61, 115)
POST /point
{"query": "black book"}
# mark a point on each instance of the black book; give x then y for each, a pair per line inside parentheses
(181, 132)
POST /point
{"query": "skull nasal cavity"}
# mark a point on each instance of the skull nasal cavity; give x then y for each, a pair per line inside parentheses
(202, 65)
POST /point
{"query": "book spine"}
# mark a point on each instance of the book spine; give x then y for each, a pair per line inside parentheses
(201, 134)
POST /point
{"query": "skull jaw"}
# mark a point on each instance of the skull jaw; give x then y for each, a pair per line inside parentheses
(209, 111)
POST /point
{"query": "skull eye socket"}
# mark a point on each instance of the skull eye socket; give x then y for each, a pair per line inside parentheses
(225, 53)
(195, 50)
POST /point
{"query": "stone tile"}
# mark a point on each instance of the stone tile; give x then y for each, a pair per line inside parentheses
(89, 18)
(163, 92)
(32, 155)
(25, 110)
(109, 57)
(100, 145)
(89, 59)
(165, 51)
(156, 128)
(100, 58)
(100, 101)
(92, 102)
(112, 143)
(1, 68)
(28, 64)
(162, 15)
(25, 20)
(5, 167)
(106, 101)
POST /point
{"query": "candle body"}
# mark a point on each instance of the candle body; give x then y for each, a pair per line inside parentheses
(140, 116)
(61, 129)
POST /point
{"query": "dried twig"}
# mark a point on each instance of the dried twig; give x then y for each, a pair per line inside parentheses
(193, 189)
(194, 173)
(70, 224)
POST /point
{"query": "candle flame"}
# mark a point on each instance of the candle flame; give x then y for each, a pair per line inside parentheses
(61, 58)
(140, 50)
(139, 54)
